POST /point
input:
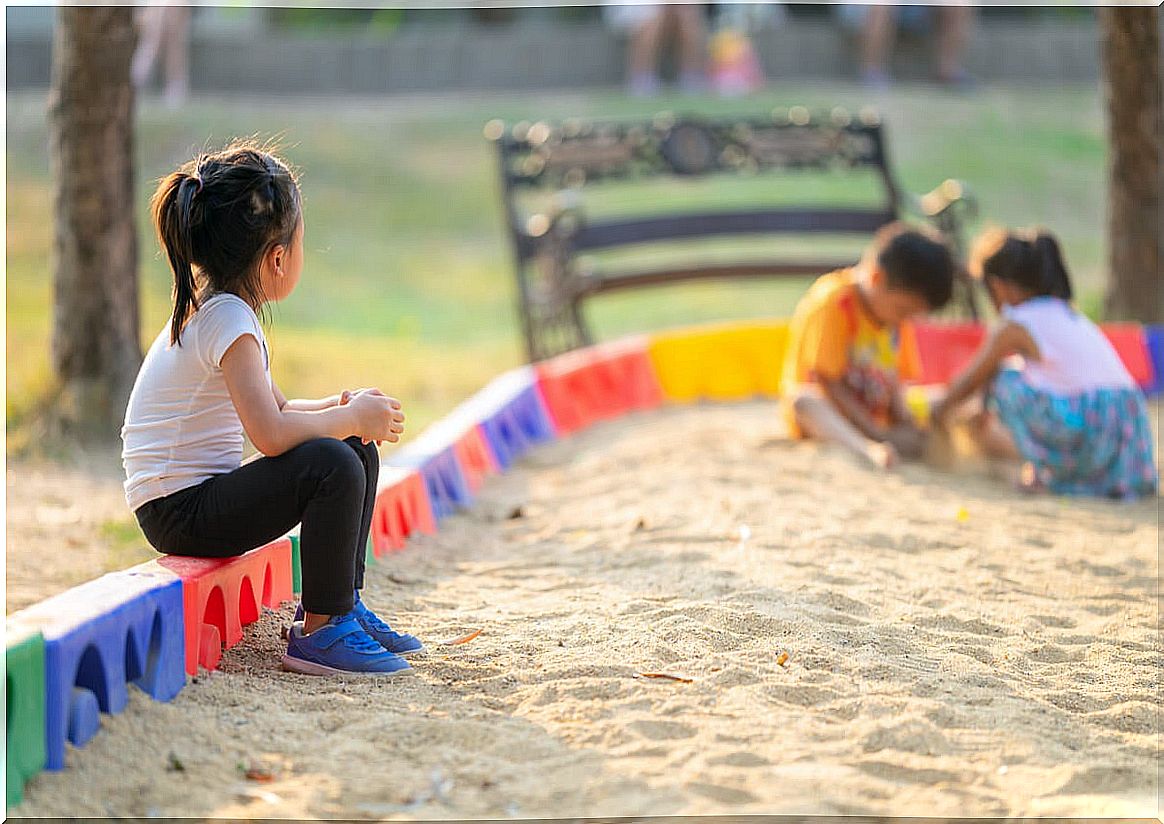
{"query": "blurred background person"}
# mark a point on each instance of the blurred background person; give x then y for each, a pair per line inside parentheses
(948, 24)
(164, 29)
(734, 65)
(649, 25)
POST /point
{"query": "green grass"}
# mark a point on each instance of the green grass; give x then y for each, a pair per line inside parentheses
(408, 281)
(124, 545)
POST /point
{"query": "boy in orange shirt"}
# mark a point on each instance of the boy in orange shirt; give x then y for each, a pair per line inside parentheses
(850, 344)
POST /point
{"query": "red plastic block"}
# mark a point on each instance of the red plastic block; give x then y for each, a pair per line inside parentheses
(1131, 344)
(402, 508)
(598, 383)
(220, 595)
(946, 349)
(476, 458)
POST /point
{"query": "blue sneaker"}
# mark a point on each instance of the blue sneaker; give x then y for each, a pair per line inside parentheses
(398, 642)
(339, 647)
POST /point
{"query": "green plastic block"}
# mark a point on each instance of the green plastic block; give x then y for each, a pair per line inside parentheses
(296, 570)
(24, 703)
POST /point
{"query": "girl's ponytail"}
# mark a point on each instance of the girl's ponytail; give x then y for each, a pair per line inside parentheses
(219, 214)
(1053, 272)
(174, 213)
(1031, 259)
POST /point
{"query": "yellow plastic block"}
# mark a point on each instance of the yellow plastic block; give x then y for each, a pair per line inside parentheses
(921, 398)
(723, 362)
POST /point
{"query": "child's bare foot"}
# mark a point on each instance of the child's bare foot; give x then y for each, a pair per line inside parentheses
(1028, 480)
(882, 455)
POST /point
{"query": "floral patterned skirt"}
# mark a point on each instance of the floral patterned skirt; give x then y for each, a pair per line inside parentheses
(1096, 443)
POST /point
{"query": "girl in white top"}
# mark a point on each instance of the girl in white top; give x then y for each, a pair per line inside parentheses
(231, 225)
(1058, 395)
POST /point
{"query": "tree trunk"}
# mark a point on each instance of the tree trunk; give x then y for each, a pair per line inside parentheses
(1131, 59)
(96, 349)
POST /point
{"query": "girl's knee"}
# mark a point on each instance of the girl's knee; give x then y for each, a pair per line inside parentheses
(367, 451)
(336, 458)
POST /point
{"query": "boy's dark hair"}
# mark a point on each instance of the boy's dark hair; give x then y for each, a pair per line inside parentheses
(915, 260)
(220, 213)
(1030, 259)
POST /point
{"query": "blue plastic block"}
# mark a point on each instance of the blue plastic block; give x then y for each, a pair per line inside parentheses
(512, 415)
(100, 637)
(1155, 339)
(443, 479)
(518, 426)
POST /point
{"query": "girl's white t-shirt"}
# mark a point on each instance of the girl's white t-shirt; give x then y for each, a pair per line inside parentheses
(181, 426)
(1075, 357)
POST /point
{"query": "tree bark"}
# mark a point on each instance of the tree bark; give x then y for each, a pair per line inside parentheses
(96, 349)
(1131, 60)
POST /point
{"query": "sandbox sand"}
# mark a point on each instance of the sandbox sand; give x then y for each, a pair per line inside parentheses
(952, 650)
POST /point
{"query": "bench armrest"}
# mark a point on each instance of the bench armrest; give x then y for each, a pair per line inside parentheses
(951, 198)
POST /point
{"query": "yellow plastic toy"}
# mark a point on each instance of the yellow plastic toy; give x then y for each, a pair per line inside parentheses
(722, 362)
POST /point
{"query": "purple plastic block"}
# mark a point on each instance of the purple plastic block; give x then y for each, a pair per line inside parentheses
(1154, 335)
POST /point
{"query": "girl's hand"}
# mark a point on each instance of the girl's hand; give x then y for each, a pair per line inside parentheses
(347, 395)
(378, 416)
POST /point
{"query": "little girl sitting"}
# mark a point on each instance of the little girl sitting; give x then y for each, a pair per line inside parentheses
(231, 224)
(1058, 398)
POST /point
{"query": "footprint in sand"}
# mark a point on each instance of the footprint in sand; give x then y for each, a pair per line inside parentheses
(1078, 702)
(905, 775)
(727, 795)
(662, 730)
(803, 696)
(914, 735)
(948, 623)
(1054, 654)
(1138, 717)
(739, 759)
(1104, 780)
(1056, 621)
(979, 654)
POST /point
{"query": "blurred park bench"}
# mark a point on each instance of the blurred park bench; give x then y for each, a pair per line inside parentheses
(792, 174)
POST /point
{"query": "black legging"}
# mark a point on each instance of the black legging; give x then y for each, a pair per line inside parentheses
(328, 485)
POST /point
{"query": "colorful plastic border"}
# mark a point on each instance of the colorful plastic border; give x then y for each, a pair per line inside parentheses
(108, 620)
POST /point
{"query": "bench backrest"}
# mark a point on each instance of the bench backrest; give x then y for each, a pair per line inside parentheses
(571, 155)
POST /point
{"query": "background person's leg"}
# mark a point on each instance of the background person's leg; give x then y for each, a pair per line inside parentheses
(149, 28)
(953, 34)
(691, 37)
(646, 40)
(877, 37)
(176, 39)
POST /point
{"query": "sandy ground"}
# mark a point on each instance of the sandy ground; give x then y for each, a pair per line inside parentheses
(952, 650)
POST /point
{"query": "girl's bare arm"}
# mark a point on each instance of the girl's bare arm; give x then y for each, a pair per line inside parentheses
(274, 430)
(1008, 339)
(304, 404)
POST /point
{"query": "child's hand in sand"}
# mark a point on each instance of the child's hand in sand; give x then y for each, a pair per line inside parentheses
(907, 440)
(940, 414)
(882, 455)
